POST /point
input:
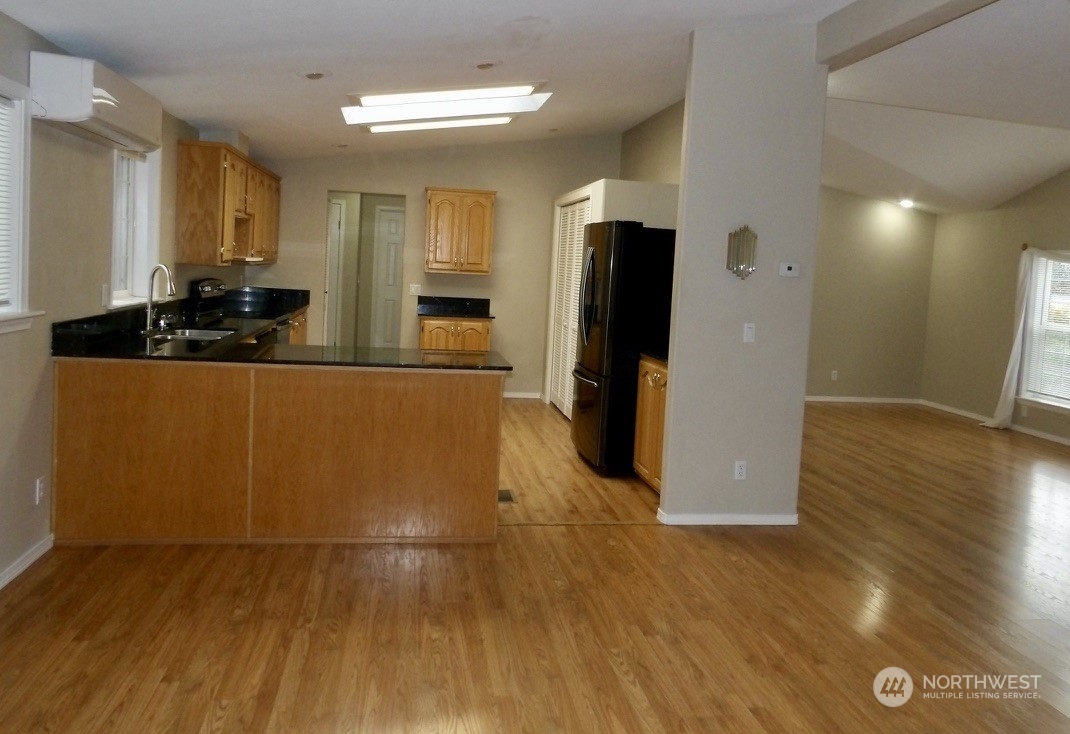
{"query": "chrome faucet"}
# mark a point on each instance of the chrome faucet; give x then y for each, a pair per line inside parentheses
(148, 302)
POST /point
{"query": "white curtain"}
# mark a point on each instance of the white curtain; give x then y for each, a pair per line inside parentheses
(1005, 407)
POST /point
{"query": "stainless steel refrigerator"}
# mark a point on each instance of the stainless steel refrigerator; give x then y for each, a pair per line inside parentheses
(624, 311)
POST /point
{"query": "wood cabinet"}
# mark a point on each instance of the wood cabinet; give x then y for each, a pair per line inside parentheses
(457, 335)
(460, 230)
(227, 208)
(184, 452)
(650, 420)
(299, 327)
(125, 432)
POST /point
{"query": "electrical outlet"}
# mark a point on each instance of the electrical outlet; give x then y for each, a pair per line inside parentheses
(835, 375)
(414, 289)
(741, 469)
(40, 490)
(748, 333)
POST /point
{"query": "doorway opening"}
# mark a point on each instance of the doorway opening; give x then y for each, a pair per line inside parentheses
(362, 282)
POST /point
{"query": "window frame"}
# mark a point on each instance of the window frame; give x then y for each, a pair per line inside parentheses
(16, 316)
(141, 234)
(1037, 325)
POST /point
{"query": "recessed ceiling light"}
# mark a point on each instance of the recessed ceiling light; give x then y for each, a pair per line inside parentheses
(906, 203)
(398, 127)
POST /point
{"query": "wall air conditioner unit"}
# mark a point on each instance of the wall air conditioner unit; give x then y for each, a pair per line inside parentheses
(90, 100)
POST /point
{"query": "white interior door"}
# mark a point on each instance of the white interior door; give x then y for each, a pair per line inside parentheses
(571, 221)
(386, 286)
(332, 291)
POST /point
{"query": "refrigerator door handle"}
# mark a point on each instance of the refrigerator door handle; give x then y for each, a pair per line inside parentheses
(581, 378)
(585, 326)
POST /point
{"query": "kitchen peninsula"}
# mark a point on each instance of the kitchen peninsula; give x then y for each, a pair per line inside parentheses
(234, 440)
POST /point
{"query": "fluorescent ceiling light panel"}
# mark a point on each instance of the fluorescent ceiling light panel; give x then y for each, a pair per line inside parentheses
(438, 124)
(448, 95)
(492, 106)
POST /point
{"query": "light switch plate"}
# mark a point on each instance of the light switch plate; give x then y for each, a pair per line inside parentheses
(414, 289)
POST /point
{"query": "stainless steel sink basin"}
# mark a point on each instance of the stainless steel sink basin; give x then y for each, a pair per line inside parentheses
(198, 334)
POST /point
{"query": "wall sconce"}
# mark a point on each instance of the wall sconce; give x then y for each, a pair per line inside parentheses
(742, 251)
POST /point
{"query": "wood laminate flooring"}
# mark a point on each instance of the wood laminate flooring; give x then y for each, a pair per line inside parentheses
(924, 542)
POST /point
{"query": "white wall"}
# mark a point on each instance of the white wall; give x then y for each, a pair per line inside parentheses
(527, 176)
(753, 121)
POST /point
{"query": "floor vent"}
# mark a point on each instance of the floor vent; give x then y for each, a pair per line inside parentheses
(506, 495)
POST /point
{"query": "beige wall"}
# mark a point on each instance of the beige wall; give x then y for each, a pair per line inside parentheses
(871, 294)
(651, 150)
(69, 259)
(752, 155)
(971, 306)
(527, 177)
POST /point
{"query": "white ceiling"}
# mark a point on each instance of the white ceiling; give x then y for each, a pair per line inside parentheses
(961, 118)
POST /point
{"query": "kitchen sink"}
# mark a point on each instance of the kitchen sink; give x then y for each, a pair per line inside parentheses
(198, 334)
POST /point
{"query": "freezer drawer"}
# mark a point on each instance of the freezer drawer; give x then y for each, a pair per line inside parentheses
(589, 403)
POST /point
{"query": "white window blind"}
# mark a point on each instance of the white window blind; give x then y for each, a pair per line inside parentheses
(566, 306)
(10, 206)
(1046, 367)
(122, 276)
(136, 230)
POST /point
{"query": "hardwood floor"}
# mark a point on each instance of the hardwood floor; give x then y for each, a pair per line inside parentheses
(924, 542)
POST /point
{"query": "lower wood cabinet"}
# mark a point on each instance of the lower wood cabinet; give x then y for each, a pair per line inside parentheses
(456, 335)
(125, 434)
(200, 452)
(650, 420)
(299, 327)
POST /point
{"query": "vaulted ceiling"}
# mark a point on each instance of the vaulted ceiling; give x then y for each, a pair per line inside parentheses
(960, 118)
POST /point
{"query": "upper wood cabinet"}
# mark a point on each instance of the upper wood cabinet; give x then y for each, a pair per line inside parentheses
(650, 420)
(460, 230)
(228, 207)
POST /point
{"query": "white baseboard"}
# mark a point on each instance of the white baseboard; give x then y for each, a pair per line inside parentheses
(725, 519)
(25, 560)
(525, 395)
(842, 399)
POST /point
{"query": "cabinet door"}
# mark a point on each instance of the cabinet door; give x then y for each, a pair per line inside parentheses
(436, 334)
(299, 328)
(472, 335)
(237, 173)
(443, 230)
(650, 420)
(270, 219)
(199, 220)
(478, 233)
(260, 205)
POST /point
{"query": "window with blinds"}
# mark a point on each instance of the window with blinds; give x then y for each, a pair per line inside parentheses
(573, 218)
(14, 182)
(1046, 358)
(10, 202)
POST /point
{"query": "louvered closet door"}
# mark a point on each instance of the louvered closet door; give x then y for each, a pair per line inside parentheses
(566, 306)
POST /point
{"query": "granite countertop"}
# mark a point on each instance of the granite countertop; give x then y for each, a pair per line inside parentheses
(381, 357)
(118, 335)
(472, 308)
